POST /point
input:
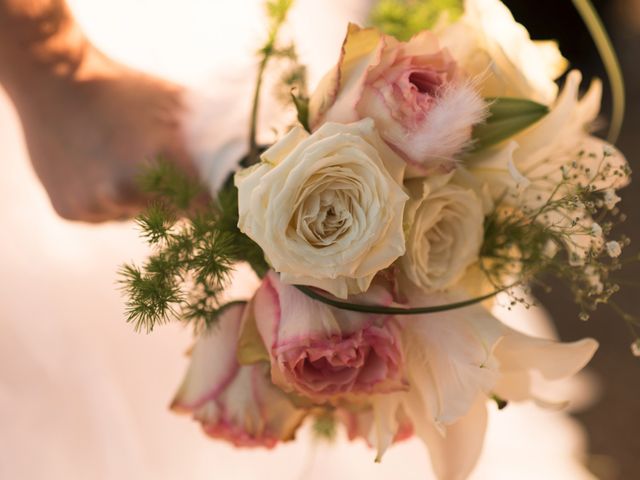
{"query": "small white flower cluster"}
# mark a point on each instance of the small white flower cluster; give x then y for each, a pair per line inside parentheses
(614, 250)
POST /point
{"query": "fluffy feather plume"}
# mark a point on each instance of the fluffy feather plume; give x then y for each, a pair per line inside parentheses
(446, 132)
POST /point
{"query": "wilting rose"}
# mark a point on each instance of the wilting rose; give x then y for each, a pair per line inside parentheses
(490, 45)
(445, 228)
(455, 360)
(325, 353)
(235, 403)
(326, 208)
(422, 107)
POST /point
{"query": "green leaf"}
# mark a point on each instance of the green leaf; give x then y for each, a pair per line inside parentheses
(194, 250)
(325, 427)
(251, 348)
(302, 107)
(166, 180)
(250, 251)
(277, 9)
(156, 222)
(405, 18)
(507, 117)
(501, 403)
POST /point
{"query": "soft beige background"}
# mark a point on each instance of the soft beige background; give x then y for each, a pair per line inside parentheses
(81, 395)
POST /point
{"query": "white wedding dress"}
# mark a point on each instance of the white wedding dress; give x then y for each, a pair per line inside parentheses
(84, 397)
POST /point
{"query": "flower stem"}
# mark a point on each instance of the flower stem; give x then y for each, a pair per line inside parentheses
(610, 59)
(277, 11)
(253, 143)
(382, 310)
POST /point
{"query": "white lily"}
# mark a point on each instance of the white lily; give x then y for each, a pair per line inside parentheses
(455, 362)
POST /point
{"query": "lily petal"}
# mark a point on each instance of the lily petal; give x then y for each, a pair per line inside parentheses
(449, 359)
(455, 450)
(554, 360)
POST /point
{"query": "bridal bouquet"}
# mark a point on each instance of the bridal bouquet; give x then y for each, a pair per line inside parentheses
(427, 178)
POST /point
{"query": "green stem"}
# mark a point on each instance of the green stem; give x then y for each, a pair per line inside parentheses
(267, 53)
(382, 310)
(609, 58)
(631, 321)
(253, 143)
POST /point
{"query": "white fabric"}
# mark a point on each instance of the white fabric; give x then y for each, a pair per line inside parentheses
(82, 396)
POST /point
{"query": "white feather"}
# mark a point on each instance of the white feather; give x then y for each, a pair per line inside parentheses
(446, 132)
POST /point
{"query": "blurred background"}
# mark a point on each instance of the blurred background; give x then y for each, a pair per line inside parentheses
(613, 421)
(82, 396)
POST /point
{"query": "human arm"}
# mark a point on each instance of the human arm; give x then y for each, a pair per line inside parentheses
(90, 123)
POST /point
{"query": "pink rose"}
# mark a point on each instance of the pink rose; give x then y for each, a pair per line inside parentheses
(235, 403)
(322, 352)
(422, 106)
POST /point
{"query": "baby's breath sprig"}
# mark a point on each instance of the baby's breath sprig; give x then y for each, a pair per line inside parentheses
(277, 11)
(566, 233)
(193, 251)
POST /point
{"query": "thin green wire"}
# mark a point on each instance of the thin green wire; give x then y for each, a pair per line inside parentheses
(383, 310)
(611, 64)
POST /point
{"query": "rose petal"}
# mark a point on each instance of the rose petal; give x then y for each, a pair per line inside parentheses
(213, 362)
(322, 352)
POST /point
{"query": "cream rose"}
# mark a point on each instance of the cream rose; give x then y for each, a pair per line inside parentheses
(326, 208)
(423, 108)
(445, 226)
(488, 43)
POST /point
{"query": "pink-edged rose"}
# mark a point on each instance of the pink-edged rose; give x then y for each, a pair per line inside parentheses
(422, 106)
(235, 403)
(325, 353)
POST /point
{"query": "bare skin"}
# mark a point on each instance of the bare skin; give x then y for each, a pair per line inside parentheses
(90, 124)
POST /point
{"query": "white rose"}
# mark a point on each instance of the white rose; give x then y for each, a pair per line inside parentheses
(326, 208)
(445, 228)
(489, 43)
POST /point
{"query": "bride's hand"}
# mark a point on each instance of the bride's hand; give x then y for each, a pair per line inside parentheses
(90, 124)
